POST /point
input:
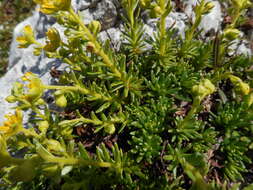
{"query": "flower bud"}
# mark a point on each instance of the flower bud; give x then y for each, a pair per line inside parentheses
(234, 79)
(244, 87)
(209, 86)
(37, 51)
(204, 88)
(95, 27)
(43, 126)
(145, 3)
(54, 40)
(61, 101)
(17, 88)
(54, 145)
(156, 12)
(11, 99)
(109, 128)
(35, 86)
(240, 86)
(231, 34)
(40, 102)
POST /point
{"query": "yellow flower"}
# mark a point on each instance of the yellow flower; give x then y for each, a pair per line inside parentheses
(53, 6)
(240, 86)
(54, 40)
(204, 88)
(35, 86)
(27, 38)
(13, 124)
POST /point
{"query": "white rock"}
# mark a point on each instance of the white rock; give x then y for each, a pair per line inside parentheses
(112, 34)
(211, 20)
(175, 19)
(243, 49)
(178, 20)
(240, 47)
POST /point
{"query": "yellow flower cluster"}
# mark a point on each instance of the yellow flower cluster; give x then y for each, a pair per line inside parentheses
(13, 124)
(53, 41)
(53, 6)
(27, 38)
(35, 86)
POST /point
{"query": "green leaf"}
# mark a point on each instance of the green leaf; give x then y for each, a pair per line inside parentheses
(83, 153)
(103, 107)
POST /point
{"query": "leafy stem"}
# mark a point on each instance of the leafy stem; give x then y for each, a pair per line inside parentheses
(193, 110)
(98, 48)
(83, 90)
(162, 28)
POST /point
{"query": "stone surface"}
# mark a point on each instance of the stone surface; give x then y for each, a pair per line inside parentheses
(210, 21)
(107, 12)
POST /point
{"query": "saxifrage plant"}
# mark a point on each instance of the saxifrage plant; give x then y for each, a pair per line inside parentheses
(176, 115)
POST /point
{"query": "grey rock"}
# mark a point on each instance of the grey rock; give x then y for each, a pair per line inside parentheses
(243, 48)
(240, 47)
(175, 19)
(106, 13)
(112, 34)
(213, 19)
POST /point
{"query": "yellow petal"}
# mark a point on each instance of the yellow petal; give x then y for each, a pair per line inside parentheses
(28, 30)
(4, 129)
(21, 39)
